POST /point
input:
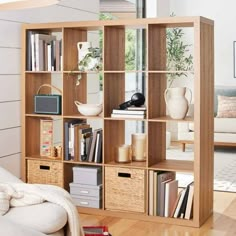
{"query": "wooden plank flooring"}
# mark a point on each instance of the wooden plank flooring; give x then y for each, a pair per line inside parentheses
(222, 223)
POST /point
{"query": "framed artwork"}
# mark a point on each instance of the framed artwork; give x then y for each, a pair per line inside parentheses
(234, 57)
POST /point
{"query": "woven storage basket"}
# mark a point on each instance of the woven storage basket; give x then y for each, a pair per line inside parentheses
(125, 189)
(45, 172)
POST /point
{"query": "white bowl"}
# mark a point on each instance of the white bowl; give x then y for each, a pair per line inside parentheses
(89, 109)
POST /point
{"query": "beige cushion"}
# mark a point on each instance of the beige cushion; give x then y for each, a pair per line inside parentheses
(46, 217)
(226, 107)
(9, 228)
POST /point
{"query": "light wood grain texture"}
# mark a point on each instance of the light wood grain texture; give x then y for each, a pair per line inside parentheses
(203, 122)
(114, 136)
(156, 142)
(222, 222)
(70, 53)
(72, 93)
(114, 50)
(32, 84)
(114, 94)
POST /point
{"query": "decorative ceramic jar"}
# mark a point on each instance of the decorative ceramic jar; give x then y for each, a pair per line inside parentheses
(176, 102)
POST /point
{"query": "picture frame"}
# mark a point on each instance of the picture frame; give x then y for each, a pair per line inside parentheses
(234, 58)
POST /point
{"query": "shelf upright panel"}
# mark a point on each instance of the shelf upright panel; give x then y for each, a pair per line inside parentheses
(156, 38)
(114, 48)
(203, 120)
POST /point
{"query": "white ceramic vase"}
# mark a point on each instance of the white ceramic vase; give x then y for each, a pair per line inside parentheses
(176, 102)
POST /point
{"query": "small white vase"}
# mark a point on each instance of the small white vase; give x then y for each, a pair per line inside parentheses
(83, 49)
(176, 102)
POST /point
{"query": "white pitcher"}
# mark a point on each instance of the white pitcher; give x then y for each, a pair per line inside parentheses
(176, 102)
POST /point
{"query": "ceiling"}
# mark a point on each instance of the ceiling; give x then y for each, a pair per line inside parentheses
(119, 8)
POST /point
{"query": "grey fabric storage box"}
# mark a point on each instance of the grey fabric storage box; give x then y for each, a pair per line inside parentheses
(83, 201)
(86, 190)
(89, 175)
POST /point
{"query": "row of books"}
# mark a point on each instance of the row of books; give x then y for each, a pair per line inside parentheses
(44, 52)
(165, 199)
(82, 143)
(130, 112)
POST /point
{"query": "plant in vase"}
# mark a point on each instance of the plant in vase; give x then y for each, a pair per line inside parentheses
(89, 59)
(179, 59)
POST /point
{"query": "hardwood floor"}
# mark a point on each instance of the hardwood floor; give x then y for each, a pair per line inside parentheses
(222, 223)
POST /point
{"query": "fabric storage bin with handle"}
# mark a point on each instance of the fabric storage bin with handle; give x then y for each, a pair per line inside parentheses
(125, 189)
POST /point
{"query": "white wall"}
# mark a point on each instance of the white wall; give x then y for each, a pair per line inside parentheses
(10, 65)
(223, 14)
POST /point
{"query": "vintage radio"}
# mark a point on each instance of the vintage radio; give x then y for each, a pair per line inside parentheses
(47, 103)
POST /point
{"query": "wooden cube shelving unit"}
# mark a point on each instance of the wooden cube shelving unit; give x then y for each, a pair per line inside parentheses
(114, 94)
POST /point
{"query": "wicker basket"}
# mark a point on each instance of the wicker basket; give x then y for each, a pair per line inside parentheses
(45, 172)
(125, 189)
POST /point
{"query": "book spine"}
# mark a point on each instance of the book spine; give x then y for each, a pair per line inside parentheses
(29, 51)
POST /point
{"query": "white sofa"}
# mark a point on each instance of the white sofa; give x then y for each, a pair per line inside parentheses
(34, 220)
(224, 128)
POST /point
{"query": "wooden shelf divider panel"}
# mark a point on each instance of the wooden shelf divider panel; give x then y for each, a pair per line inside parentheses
(156, 47)
(71, 36)
(114, 48)
(156, 100)
(114, 136)
(156, 142)
(32, 84)
(32, 137)
(174, 165)
(73, 92)
(203, 121)
(114, 90)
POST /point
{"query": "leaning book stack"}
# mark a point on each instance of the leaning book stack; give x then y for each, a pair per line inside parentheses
(130, 112)
(166, 199)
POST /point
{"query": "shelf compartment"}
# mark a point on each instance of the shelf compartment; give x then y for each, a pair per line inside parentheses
(114, 52)
(32, 136)
(73, 92)
(32, 84)
(114, 89)
(174, 165)
(156, 103)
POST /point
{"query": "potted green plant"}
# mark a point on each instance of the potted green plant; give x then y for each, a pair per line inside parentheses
(179, 59)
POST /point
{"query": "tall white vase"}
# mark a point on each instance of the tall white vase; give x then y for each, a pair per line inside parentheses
(176, 102)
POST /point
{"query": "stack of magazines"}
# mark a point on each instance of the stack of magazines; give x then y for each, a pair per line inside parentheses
(130, 112)
(96, 231)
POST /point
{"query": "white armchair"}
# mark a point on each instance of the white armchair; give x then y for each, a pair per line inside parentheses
(46, 218)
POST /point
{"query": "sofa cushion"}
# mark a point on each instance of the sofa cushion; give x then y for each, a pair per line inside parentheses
(224, 125)
(9, 228)
(226, 107)
(229, 91)
(46, 217)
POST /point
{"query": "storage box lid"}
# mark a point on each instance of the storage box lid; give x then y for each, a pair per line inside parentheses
(85, 186)
(87, 168)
